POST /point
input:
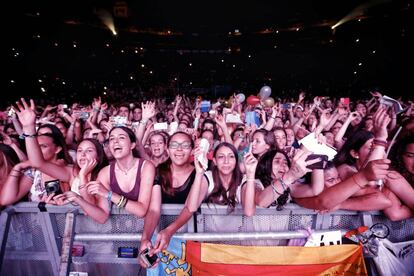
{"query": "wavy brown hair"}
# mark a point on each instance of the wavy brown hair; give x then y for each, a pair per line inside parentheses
(220, 195)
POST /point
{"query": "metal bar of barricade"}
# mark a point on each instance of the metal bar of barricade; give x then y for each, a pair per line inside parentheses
(67, 243)
(5, 219)
(51, 235)
(199, 236)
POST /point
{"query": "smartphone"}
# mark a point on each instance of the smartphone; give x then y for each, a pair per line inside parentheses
(119, 120)
(147, 259)
(11, 112)
(286, 105)
(53, 186)
(84, 115)
(205, 106)
(319, 165)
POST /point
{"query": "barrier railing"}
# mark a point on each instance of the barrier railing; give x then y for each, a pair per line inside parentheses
(40, 243)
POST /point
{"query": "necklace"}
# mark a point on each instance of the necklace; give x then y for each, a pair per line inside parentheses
(126, 171)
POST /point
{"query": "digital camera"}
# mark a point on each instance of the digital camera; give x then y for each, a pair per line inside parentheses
(53, 186)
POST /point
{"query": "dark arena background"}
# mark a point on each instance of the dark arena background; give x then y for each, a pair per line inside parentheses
(66, 50)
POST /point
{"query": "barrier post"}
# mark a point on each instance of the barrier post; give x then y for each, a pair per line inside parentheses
(51, 235)
(67, 243)
(5, 219)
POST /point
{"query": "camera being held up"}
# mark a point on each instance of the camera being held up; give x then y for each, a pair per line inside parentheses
(53, 186)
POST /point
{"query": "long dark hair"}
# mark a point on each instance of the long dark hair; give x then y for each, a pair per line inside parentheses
(101, 159)
(355, 142)
(219, 194)
(396, 157)
(10, 157)
(131, 136)
(264, 166)
(164, 169)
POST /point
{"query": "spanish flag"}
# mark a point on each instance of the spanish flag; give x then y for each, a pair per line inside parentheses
(219, 259)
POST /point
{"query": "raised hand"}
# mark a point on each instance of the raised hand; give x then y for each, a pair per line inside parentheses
(199, 168)
(250, 163)
(299, 165)
(381, 120)
(376, 95)
(375, 169)
(26, 113)
(219, 119)
(148, 110)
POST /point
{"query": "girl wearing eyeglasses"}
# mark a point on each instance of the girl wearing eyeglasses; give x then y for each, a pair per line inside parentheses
(176, 177)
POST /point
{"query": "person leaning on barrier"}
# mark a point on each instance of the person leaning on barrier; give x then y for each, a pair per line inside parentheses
(52, 149)
(276, 179)
(338, 193)
(127, 181)
(178, 179)
(90, 158)
(357, 202)
(400, 179)
(362, 147)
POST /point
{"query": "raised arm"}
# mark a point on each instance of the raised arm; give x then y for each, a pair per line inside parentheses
(221, 122)
(248, 190)
(27, 117)
(335, 195)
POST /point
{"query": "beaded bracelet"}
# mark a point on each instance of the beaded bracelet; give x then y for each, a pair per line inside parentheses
(274, 189)
(24, 136)
(109, 198)
(121, 199)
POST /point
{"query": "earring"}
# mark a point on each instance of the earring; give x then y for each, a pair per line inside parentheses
(357, 157)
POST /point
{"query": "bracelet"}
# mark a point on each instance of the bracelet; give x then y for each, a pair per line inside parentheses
(125, 203)
(24, 136)
(19, 171)
(380, 142)
(144, 122)
(95, 109)
(274, 118)
(274, 189)
(356, 182)
(109, 198)
(14, 175)
(250, 179)
(120, 202)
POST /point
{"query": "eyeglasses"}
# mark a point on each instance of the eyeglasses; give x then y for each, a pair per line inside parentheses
(184, 145)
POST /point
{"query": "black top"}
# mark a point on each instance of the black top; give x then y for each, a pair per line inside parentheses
(180, 193)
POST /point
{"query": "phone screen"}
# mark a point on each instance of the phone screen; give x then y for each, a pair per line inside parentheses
(319, 165)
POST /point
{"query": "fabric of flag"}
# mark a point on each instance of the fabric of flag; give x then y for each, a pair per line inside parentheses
(220, 259)
(172, 261)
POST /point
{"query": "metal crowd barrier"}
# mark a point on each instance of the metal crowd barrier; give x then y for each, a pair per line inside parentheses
(40, 243)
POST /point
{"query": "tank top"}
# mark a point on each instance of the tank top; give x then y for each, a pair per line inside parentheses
(180, 193)
(113, 182)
